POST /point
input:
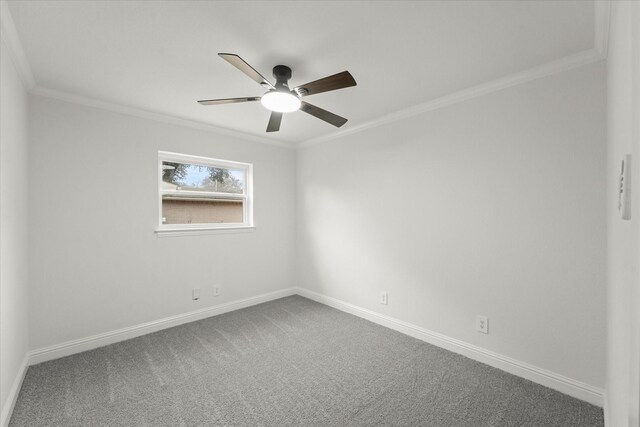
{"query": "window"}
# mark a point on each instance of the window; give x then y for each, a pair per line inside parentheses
(202, 194)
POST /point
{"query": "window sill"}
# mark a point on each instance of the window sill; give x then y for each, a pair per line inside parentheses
(196, 231)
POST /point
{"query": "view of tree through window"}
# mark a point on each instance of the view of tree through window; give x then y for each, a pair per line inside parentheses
(190, 177)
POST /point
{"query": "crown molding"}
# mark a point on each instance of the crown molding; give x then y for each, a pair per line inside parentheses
(601, 26)
(573, 61)
(10, 39)
(152, 115)
(602, 11)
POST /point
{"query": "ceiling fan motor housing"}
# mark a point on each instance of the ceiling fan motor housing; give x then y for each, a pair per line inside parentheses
(282, 73)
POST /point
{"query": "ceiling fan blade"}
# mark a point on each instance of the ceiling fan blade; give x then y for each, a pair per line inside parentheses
(228, 100)
(337, 81)
(241, 65)
(325, 115)
(274, 122)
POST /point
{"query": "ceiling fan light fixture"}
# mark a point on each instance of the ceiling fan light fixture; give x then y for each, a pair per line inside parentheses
(280, 101)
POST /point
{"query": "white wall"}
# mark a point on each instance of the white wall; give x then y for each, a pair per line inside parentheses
(14, 321)
(623, 115)
(96, 264)
(492, 206)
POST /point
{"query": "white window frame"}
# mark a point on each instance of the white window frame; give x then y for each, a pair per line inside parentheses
(207, 228)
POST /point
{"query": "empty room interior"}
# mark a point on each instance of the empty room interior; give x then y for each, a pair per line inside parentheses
(320, 213)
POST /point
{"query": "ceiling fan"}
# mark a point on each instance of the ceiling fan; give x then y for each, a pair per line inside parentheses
(280, 99)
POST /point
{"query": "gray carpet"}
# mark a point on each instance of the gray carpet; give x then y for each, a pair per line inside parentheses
(290, 362)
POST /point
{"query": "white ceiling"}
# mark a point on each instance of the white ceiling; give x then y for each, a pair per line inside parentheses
(160, 56)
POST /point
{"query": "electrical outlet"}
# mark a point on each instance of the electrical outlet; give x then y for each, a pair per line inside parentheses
(482, 324)
(384, 298)
(216, 290)
(195, 294)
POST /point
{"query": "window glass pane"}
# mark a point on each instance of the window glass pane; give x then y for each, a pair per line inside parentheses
(196, 194)
(191, 177)
(193, 211)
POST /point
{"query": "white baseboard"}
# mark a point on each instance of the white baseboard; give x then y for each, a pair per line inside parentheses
(606, 410)
(7, 409)
(88, 343)
(541, 376)
(577, 389)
